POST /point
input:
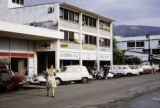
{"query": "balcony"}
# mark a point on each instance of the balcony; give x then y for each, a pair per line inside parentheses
(68, 24)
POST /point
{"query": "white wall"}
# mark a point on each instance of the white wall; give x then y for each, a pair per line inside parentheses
(29, 14)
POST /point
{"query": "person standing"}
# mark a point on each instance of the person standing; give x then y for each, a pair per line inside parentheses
(50, 81)
(106, 71)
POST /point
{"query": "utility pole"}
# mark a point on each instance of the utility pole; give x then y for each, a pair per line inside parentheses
(149, 48)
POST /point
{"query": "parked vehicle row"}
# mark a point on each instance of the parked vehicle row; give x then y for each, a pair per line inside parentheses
(79, 73)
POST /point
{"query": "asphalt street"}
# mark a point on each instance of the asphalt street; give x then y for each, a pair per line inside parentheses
(112, 93)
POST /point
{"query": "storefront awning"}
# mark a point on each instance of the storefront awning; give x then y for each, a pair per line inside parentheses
(19, 31)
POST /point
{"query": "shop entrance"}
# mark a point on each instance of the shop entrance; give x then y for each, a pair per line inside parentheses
(45, 60)
(19, 65)
(89, 64)
(102, 63)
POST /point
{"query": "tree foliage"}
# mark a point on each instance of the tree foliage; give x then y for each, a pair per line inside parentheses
(118, 55)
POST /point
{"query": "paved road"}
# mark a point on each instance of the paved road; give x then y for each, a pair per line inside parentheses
(96, 94)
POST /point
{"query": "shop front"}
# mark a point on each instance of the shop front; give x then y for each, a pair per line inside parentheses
(17, 44)
(89, 60)
(105, 59)
(45, 60)
(69, 58)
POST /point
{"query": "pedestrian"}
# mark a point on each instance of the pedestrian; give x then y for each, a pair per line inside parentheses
(106, 70)
(50, 81)
(159, 67)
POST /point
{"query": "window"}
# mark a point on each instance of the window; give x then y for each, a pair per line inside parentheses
(50, 10)
(156, 51)
(89, 21)
(104, 25)
(104, 42)
(13, 1)
(66, 14)
(146, 51)
(130, 44)
(139, 44)
(18, 1)
(69, 15)
(69, 36)
(90, 40)
(159, 43)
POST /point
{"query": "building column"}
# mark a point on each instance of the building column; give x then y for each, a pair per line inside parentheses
(111, 43)
(98, 61)
(57, 55)
(81, 47)
(35, 65)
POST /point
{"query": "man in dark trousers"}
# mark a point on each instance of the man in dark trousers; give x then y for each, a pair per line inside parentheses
(159, 67)
(106, 70)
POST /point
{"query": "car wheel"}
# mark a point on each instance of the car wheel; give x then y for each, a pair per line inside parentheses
(58, 81)
(84, 80)
(138, 74)
(9, 86)
(118, 75)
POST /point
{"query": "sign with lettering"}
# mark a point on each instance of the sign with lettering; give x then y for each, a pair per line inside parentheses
(104, 57)
(69, 56)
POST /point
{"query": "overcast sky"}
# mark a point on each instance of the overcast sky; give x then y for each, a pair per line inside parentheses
(128, 12)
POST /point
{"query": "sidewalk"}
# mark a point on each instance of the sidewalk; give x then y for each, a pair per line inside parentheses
(29, 86)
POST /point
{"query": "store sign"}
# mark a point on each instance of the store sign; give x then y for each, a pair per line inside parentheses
(64, 45)
(104, 57)
(89, 47)
(45, 45)
(69, 55)
(89, 56)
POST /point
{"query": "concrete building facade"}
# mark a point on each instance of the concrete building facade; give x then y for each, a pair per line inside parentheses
(139, 46)
(80, 36)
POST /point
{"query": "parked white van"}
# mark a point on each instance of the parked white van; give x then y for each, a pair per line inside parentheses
(123, 70)
(73, 73)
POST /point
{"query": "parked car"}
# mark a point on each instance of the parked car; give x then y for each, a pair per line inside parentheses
(155, 67)
(119, 70)
(138, 67)
(9, 80)
(147, 69)
(73, 73)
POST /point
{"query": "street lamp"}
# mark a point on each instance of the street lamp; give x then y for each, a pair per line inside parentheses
(149, 48)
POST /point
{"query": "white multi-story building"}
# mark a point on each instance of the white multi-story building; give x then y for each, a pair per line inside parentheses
(79, 36)
(139, 46)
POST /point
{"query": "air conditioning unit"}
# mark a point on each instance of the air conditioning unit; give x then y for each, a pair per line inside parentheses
(50, 9)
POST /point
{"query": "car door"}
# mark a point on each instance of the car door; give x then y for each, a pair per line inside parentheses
(69, 75)
(78, 73)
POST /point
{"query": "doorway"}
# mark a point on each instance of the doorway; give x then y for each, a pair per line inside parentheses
(45, 60)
